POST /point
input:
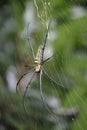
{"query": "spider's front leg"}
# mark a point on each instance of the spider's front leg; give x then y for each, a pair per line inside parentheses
(30, 44)
(45, 40)
(51, 79)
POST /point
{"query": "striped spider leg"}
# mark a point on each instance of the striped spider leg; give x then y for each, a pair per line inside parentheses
(38, 68)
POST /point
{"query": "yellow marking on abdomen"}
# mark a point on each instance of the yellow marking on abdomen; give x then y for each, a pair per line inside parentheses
(38, 55)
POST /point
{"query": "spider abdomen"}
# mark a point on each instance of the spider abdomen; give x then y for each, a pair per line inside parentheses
(38, 57)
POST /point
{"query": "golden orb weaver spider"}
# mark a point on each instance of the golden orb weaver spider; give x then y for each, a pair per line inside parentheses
(38, 67)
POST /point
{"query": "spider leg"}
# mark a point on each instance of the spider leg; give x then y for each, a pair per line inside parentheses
(45, 40)
(29, 65)
(47, 59)
(41, 94)
(21, 78)
(31, 47)
(51, 79)
(46, 35)
(28, 85)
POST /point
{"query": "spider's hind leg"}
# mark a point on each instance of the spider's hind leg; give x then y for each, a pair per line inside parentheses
(26, 89)
(49, 58)
(42, 97)
(22, 78)
(51, 79)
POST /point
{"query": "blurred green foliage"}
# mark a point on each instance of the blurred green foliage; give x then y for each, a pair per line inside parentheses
(68, 66)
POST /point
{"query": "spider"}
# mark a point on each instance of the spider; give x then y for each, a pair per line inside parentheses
(38, 67)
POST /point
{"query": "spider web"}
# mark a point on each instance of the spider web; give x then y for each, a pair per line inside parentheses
(58, 70)
(64, 107)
